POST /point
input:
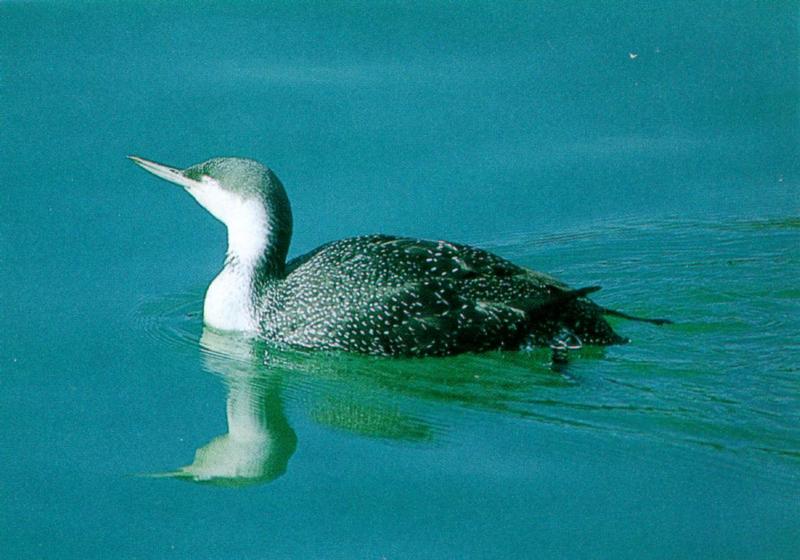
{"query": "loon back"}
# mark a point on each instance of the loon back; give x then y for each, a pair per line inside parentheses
(396, 296)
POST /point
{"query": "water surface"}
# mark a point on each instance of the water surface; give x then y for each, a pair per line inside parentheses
(649, 149)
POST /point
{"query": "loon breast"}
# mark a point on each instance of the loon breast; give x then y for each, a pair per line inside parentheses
(228, 305)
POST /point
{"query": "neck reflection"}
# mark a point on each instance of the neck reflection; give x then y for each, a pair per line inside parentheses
(259, 442)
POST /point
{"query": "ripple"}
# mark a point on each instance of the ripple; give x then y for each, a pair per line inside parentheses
(717, 378)
(174, 320)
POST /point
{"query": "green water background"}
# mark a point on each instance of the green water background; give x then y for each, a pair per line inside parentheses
(651, 148)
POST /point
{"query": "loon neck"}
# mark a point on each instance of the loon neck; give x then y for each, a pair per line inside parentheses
(258, 241)
(258, 251)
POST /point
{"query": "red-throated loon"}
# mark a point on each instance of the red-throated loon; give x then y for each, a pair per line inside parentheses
(375, 294)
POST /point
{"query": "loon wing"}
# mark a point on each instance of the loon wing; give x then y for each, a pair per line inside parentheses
(437, 317)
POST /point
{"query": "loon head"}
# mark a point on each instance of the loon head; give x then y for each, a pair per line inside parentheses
(243, 194)
(228, 187)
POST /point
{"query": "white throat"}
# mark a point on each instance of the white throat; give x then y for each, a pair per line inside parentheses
(229, 303)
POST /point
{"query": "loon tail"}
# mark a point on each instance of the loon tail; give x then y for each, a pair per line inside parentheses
(615, 313)
(569, 320)
(576, 321)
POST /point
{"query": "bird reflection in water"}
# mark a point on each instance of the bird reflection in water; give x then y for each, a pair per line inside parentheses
(260, 441)
(402, 400)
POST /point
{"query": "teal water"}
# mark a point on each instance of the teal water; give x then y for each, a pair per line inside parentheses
(652, 149)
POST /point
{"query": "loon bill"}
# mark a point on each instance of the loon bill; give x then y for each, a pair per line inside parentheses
(374, 294)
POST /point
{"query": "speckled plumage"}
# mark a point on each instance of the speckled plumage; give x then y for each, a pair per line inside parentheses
(395, 296)
(376, 294)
